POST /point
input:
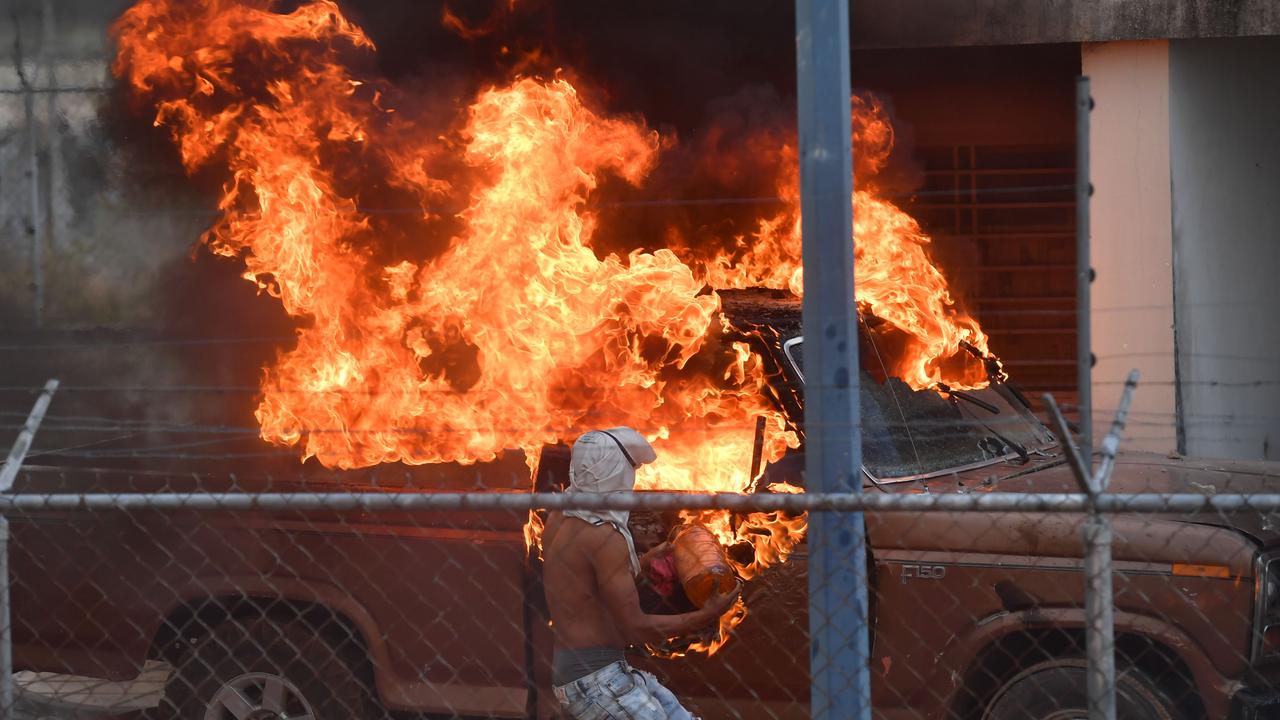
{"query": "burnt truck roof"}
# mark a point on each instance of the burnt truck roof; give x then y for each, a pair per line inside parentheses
(779, 309)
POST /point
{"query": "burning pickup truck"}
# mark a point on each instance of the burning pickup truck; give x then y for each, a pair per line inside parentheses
(344, 614)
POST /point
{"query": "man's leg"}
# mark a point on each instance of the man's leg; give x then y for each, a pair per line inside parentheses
(618, 692)
(665, 698)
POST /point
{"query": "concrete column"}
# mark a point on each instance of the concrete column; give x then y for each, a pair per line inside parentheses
(1225, 141)
(1132, 250)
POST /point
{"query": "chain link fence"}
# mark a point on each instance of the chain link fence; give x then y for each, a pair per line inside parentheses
(154, 594)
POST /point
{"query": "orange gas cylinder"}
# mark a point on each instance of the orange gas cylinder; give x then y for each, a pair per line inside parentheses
(701, 564)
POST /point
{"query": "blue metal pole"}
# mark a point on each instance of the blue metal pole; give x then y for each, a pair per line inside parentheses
(840, 685)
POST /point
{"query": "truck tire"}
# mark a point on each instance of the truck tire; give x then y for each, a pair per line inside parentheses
(266, 668)
(1056, 690)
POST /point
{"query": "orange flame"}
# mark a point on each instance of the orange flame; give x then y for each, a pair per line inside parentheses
(516, 334)
(894, 277)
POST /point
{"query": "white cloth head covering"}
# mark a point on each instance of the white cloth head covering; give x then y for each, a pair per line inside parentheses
(605, 461)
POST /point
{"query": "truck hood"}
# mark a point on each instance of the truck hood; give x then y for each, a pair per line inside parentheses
(1138, 472)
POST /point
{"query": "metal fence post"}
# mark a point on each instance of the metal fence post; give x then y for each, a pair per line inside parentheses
(6, 629)
(1084, 273)
(1100, 638)
(17, 455)
(1099, 609)
(36, 226)
(839, 678)
(53, 143)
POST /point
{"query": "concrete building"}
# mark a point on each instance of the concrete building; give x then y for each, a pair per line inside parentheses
(1185, 159)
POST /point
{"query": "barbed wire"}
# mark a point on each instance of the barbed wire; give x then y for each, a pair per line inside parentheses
(146, 341)
(251, 389)
(67, 421)
(92, 443)
(636, 203)
(113, 342)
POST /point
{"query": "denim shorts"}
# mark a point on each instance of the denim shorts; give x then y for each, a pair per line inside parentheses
(619, 692)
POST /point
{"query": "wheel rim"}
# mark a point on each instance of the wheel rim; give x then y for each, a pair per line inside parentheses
(259, 696)
(1066, 715)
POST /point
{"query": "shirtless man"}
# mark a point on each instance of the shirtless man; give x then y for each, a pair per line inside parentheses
(590, 574)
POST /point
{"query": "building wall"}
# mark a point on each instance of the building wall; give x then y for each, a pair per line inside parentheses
(985, 161)
(933, 23)
(89, 234)
(1133, 305)
(1225, 142)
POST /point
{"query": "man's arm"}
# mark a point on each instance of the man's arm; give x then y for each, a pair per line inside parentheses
(612, 564)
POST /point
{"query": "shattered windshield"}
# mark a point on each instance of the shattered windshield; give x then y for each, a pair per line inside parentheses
(910, 433)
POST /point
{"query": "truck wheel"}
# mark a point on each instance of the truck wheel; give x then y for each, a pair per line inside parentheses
(1056, 690)
(264, 669)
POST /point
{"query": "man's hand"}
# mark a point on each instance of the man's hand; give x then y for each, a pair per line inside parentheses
(719, 603)
(657, 552)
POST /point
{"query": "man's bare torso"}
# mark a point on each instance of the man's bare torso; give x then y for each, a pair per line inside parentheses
(580, 617)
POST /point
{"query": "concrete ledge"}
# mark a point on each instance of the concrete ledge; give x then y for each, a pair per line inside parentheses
(943, 23)
(81, 694)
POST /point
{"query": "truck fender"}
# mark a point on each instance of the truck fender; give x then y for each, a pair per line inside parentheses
(294, 590)
(955, 660)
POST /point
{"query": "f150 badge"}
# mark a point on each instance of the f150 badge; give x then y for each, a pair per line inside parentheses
(923, 572)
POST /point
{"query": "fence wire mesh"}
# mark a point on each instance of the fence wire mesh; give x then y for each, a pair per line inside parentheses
(157, 595)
